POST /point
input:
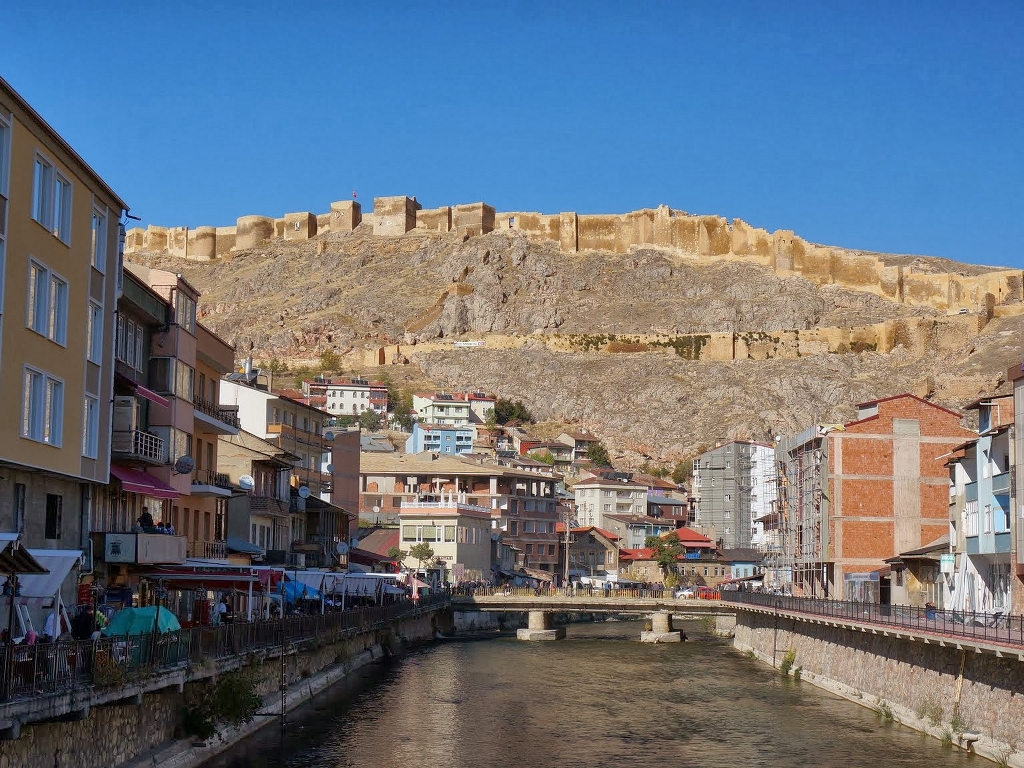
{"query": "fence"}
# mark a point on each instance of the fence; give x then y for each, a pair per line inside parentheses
(30, 670)
(995, 627)
(654, 592)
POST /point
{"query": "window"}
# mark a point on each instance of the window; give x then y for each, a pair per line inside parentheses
(987, 519)
(529, 549)
(42, 407)
(170, 375)
(54, 510)
(527, 526)
(19, 507)
(185, 312)
(408, 533)
(449, 533)
(47, 303)
(91, 427)
(971, 518)
(99, 239)
(95, 329)
(51, 199)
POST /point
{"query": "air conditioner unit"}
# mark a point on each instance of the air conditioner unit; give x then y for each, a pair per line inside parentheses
(126, 413)
(296, 560)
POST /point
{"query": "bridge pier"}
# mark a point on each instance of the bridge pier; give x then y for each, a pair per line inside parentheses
(539, 628)
(661, 630)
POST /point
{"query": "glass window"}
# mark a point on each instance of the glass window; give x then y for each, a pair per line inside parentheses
(98, 249)
(95, 332)
(42, 197)
(62, 210)
(54, 512)
(38, 297)
(42, 416)
(185, 312)
(408, 533)
(91, 427)
(449, 533)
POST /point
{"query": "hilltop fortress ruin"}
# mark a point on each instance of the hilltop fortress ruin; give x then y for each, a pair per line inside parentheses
(993, 292)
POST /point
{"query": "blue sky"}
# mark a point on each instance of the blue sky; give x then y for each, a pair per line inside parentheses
(890, 126)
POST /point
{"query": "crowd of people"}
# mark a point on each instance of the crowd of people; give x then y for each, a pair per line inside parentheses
(145, 524)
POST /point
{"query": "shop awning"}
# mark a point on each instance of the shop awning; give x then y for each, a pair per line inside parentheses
(57, 564)
(205, 577)
(142, 391)
(134, 481)
(14, 558)
(235, 544)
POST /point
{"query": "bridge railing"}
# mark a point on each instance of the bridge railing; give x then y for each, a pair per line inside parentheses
(996, 627)
(29, 670)
(656, 592)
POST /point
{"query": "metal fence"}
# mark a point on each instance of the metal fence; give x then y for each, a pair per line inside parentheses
(994, 627)
(655, 592)
(31, 670)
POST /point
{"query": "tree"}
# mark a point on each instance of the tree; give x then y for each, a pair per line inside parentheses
(329, 361)
(302, 373)
(274, 365)
(598, 454)
(666, 551)
(490, 418)
(507, 410)
(543, 456)
(370, 420)
(401, 409)
(683, 471)
(397, 553)
(422, 552)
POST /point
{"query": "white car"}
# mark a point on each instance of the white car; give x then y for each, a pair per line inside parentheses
(687, 592)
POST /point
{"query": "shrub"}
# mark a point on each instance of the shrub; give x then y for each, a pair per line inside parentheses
(787, 661)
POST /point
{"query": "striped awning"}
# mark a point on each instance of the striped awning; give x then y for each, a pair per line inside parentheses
(15, 559)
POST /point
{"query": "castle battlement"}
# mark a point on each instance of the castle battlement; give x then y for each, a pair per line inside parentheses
(688, 236)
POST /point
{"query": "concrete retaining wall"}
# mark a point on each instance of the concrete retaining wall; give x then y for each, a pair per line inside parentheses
(917, 683)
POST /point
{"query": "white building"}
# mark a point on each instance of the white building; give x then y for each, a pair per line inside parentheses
(459, 534)
(441, 408)
(598, 498)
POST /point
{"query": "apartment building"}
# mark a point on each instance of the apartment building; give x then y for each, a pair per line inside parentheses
(60, 251)
(522, 504)
(734, 485)
(459, 534)
(981, 517)
(598, 498)
(347, 397)
(853, 495)
(441, 408)
(440, 439)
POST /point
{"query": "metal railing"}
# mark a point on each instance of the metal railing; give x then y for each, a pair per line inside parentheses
(31, 670)
(223, 414)
(210, 477)
(135, 442)
(994, 627)
(653, 592)
(208, 550)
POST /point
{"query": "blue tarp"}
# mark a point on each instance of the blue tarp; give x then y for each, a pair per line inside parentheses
(296, 590)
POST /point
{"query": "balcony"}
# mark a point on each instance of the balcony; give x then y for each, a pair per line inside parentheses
(143, 548)
(208, 550)
(208, 482)
(971, 491)
(219, 419)
(1001, 483)
(287, 432)
(137, 445)
(263, 505)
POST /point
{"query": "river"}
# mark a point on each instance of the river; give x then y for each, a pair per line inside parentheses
(598, 699)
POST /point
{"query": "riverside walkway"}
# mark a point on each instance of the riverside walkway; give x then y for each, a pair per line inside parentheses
(996, 633)
(66, 678)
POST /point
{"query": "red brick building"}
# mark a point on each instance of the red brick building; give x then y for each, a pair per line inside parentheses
(853, 495)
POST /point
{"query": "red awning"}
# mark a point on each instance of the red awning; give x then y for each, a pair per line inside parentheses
(142, 391)
(134, 481)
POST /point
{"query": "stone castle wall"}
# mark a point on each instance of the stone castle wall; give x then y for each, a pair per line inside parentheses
(703, 237)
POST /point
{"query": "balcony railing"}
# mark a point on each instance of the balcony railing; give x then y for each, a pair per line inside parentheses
(138, 444)
(208, 550)
(210, 477)
(265, 505)
(226, 414)
(1001, 483)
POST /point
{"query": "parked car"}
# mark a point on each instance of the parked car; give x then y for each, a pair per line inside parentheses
(685, 592)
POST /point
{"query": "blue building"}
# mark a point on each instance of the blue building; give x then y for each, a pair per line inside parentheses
(438, 438)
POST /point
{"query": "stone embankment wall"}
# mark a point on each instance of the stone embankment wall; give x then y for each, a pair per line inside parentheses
(703, 237)
(914, 683)
(133, 735)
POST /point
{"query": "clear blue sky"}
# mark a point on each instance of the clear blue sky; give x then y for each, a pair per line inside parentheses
(890, 126)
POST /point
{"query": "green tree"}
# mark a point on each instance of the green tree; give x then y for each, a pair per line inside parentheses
(683, 471)
(273, 365)
(598, 454)
(329, 361)
(422, 552)
(544, 456)
(508, 410)
(490, 418)
(401, 409)
(370, 420)
(302, 373)
(397, 553)
(666, 551)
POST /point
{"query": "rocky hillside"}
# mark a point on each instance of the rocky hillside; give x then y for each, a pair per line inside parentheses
(353, 292)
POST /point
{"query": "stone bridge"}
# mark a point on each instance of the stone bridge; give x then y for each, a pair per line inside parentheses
(542, 605)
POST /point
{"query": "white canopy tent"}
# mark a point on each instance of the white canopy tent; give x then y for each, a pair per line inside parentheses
(39, 593)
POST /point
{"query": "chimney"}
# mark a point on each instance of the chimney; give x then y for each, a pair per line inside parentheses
(248, 367)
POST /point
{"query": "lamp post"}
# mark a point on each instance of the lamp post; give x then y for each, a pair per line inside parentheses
(570, 521)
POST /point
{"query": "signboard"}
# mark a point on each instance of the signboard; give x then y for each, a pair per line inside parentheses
(947, 563)
(458, 571)
(119, 548)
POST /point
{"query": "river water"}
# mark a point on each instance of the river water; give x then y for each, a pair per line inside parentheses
(598, 699)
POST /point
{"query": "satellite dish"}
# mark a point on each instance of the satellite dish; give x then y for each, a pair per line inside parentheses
(246, 482)
(184, 465)
(329, 436)
(304, 491)
(330, 469)
(376, 509)
(341, 548)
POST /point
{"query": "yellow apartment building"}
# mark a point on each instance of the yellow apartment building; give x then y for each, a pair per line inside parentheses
(60, 253)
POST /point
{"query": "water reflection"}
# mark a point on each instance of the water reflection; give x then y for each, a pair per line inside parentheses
(598, 699)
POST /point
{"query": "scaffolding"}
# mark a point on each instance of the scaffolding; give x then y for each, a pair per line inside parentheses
(800, 543)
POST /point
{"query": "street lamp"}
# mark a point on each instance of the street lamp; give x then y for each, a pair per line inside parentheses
(570, 521)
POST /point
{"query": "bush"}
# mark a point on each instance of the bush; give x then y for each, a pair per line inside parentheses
(787, 661)
(232, 699)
